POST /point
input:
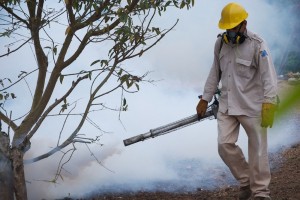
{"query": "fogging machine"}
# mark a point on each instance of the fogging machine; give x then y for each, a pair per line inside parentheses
(211, 112)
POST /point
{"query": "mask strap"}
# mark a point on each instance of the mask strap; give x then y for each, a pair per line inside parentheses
(239, 34)
(241, 24)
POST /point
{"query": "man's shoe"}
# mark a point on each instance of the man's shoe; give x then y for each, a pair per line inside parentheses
(262, 198)
(245, 193)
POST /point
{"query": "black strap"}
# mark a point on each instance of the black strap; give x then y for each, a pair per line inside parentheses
(221, 45)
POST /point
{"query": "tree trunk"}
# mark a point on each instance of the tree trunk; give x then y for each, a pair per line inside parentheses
(6, 175)
(18, 173)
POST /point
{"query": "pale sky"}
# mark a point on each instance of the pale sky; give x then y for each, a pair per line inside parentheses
(181, 62)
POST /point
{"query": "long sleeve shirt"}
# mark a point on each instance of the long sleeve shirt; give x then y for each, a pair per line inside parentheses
(248, 76)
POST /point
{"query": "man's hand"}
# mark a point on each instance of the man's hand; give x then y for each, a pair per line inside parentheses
(201, 108)
(267, 114)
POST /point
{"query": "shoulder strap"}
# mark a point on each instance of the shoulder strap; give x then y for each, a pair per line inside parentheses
(221, 45)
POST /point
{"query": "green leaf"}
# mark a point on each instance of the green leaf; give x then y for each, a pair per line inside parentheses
(129, 83)
(120, 72)
(6, 96)
(64, 106)
(124, 102)
(123, 17)
(61, 78)
(124, 78)
(104, 62)
(90, 75)
(137, 86)
(168, 3)
(175, 3)
(182, 4)
(55, 50)
(22, 72)
(96, 61)
(125, 108)
(13, 95)
(157, 31)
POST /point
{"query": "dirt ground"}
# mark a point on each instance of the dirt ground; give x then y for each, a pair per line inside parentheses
(285, 183)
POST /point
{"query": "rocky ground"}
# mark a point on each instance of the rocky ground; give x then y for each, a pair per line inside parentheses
(285, 183)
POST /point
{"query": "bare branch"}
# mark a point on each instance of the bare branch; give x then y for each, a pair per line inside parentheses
(10, 11)
(60, 166)
(27, 74)
(71, 138)
(79, 50)
(12, 51)
(109, 91)
(149, 47)
(51, 107)
(53, 45)
(62, 128)
(98, 161)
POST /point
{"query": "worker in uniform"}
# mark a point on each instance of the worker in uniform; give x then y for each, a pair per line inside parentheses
(248, 83)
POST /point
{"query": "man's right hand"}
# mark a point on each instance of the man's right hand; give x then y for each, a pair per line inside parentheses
(201, 107)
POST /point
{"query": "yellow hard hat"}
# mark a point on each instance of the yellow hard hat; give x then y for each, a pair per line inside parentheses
(232, 15)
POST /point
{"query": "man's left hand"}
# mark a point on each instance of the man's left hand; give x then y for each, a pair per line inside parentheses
(267, 114)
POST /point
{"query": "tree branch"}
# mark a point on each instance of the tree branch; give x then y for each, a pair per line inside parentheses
(40, 9)
(94, 17)
(12, 51)
(8, 121)
(65, 121)
(94, 33)
(10, 11)
(149, 47)
(27, 74)
(31, 9)
(51, 107)
(70, 12)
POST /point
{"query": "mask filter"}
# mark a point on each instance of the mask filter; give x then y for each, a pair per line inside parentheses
(231, 36)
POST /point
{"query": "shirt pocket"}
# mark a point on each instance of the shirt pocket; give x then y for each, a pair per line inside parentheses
(244, 68)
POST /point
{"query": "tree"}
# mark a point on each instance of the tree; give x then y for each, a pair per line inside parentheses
(293, 62)
(124, 28)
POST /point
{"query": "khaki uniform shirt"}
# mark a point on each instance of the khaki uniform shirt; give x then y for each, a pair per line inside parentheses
(248, 76)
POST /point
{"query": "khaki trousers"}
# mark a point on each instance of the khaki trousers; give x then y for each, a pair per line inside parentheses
(255, 172)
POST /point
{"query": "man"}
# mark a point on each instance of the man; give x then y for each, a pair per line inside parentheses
(243, 65)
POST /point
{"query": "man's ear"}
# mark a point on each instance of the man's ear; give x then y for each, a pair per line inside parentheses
(245, 23)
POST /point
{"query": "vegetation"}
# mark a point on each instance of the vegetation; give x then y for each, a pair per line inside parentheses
(293, 62)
